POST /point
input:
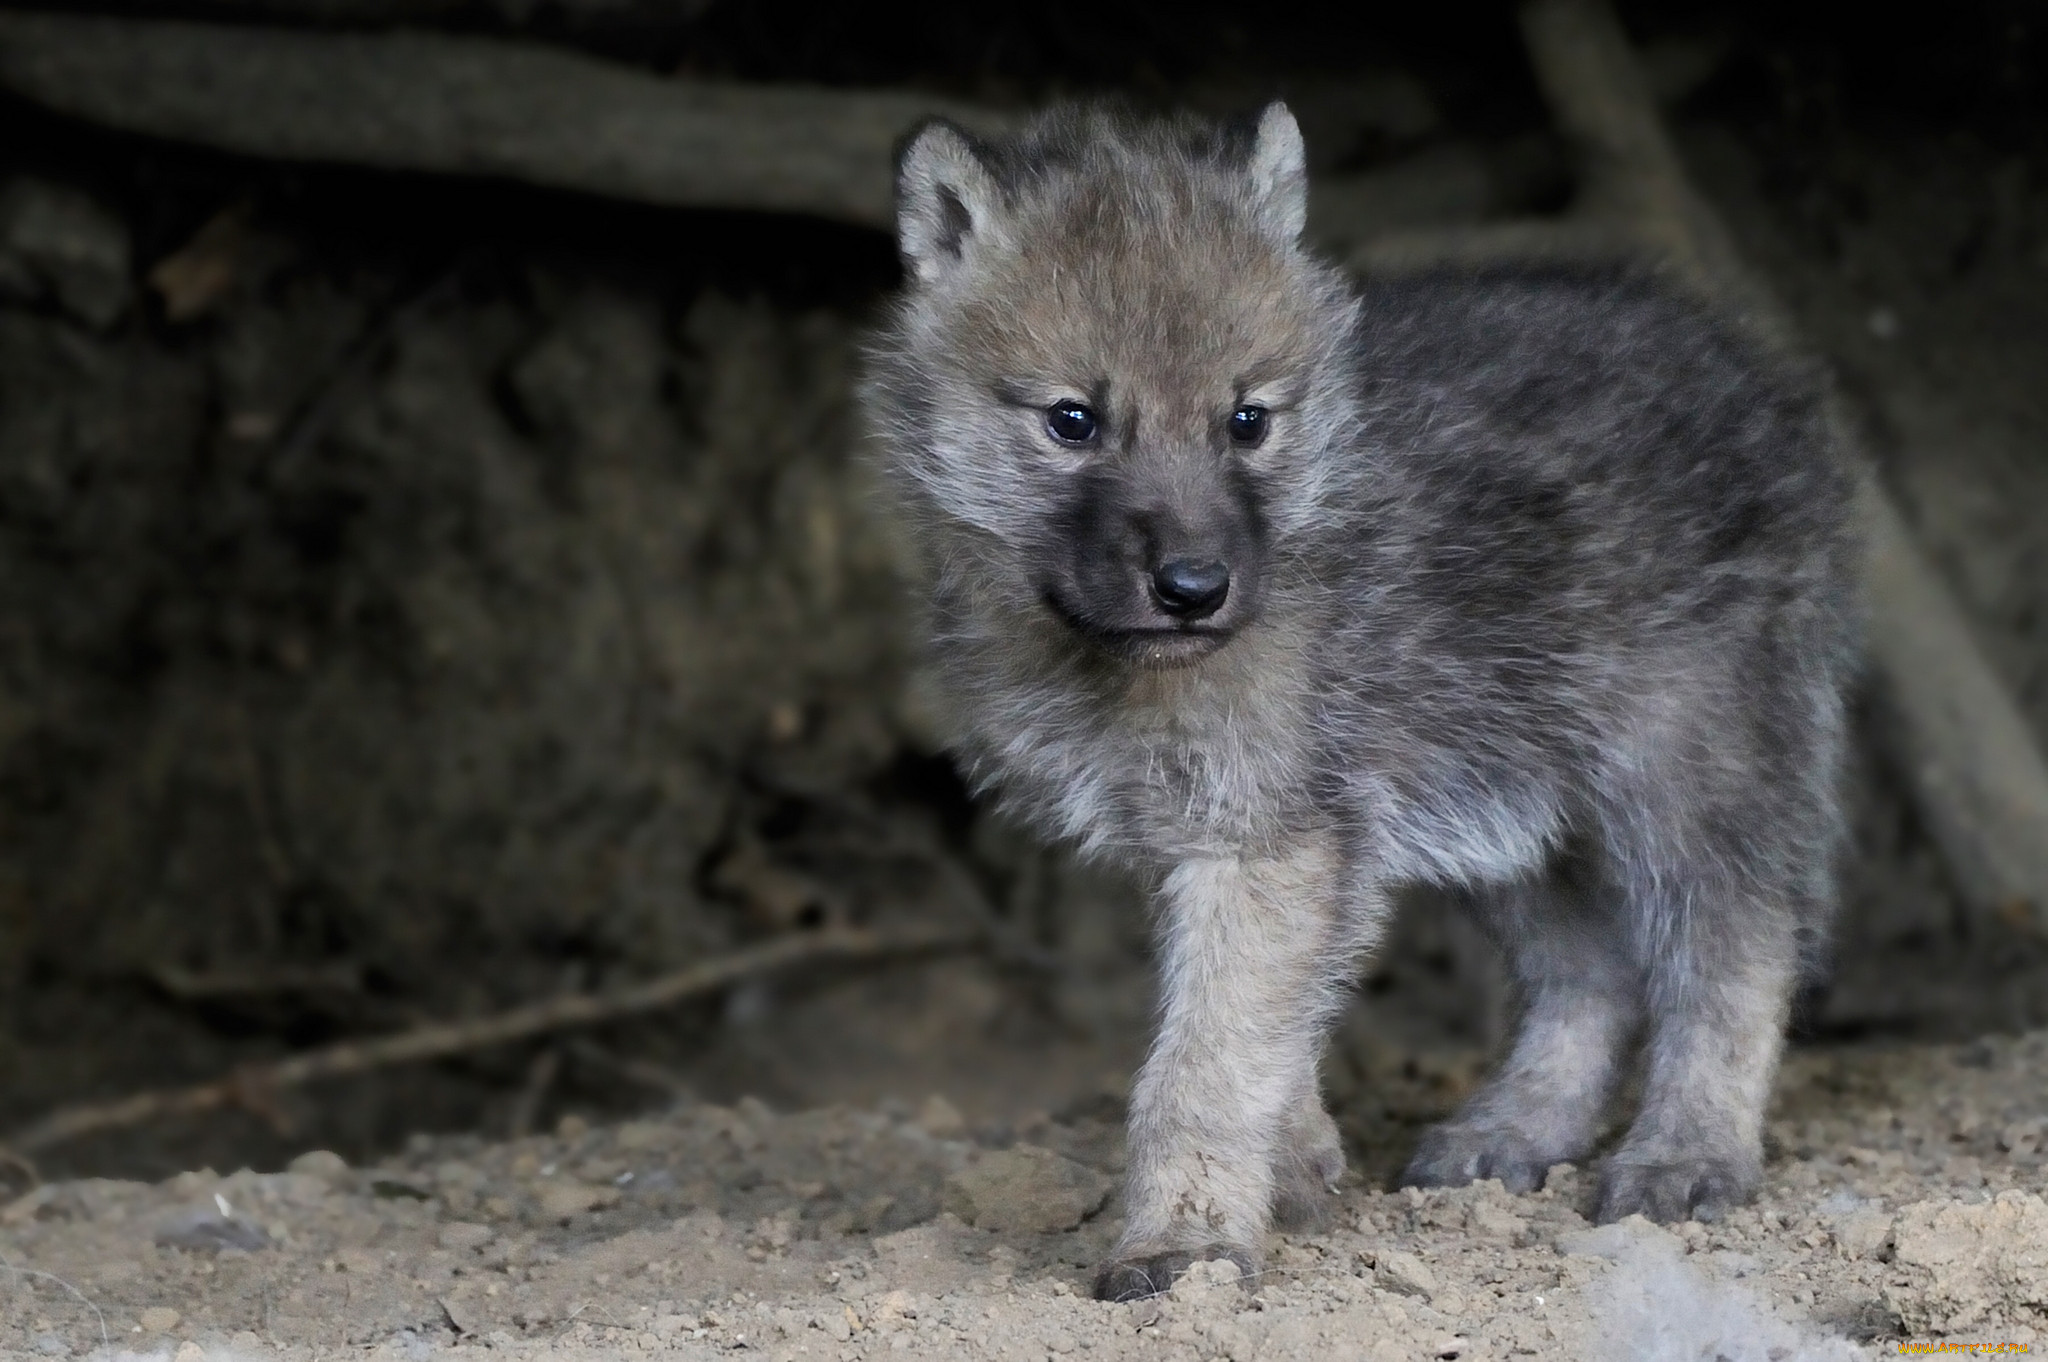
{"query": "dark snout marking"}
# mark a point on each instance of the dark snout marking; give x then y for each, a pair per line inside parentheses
(1191, 590)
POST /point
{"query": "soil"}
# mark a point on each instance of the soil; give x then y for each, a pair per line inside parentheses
(1902, 1197)
(432, 597)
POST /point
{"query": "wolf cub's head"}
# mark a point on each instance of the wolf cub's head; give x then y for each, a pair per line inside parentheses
(1112, 386)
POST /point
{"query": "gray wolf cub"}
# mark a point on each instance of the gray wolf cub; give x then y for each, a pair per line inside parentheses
(1534, 584)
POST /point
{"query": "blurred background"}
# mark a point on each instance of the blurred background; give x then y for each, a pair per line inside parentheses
(428, 588)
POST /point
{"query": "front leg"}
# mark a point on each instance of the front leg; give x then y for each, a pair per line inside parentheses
(1257, 953)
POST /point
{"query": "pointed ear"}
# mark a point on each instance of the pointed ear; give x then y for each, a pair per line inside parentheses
(1279, 171)
(946, 200)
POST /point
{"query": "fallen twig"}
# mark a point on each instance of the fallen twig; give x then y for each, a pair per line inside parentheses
(472, 106)
(1969, 756)
(248, 1086)
(639, 1072)
(195, 986)
(540, 1078)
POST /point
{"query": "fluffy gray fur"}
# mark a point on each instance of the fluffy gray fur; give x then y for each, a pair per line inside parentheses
(1538, 588)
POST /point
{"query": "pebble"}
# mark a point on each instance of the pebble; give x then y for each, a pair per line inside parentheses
(1404, 1274)
(560, 1200)
(1864, 1234)
(940, 1119)
(320, 1163)
(1025, 1189)
(462, 1235)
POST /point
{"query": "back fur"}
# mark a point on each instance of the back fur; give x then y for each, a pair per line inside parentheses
(1538, 588)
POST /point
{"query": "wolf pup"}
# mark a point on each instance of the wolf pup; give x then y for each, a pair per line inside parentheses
(1534, 584)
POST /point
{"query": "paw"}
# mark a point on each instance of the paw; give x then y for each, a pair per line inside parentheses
(1452, 1155)
(1134, 1276)
(1672, 1190)
(1305, 1175)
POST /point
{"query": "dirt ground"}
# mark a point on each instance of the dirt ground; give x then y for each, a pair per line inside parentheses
(471, 599)
(1902, 1197)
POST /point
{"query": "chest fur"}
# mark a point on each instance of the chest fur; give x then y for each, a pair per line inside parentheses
(1158, 768)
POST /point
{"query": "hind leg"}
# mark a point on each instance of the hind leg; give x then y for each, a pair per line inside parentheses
(1580, 1005)
(1729, 891)
(1721, 970)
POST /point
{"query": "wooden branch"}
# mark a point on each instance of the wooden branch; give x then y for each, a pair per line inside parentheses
(1630, 176)
(1629, 171)
(473, 106)
(578, 14)
(1968, 755)
(250, 1086)
(195, 986)
(540, 1078)
(639, 1072)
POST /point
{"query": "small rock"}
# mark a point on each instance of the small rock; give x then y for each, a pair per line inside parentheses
(1490, 1220)
(464, 1319)
(454, 1174)
(1404, 1274)
(560, 1200)
(298, 1189)
(320, 1163)
(49, 1345)
(188, 1351)
(940, 1119)
(1025, 1189)
(159, 1319)
(1143, 1314)
(462, 1235)
(836, 1324)
(1864, 1234)
(2021, 1137)
(1207, 1281)
(638, 1136)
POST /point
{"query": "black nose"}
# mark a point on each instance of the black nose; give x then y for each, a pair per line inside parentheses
(1189, 589)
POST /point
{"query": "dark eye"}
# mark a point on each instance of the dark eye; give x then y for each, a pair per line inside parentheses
(1247, 426)
(1070, 423)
